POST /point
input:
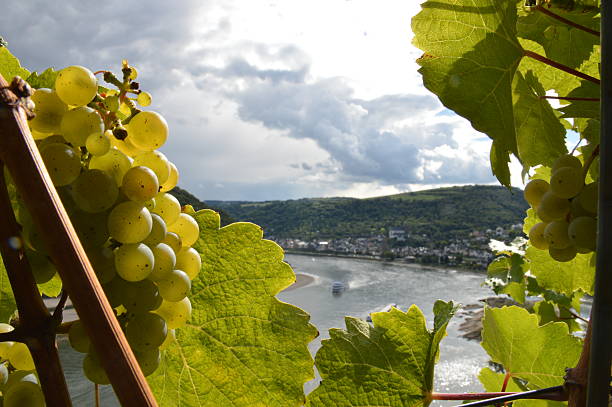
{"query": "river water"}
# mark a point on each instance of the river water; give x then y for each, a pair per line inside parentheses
(371, 285)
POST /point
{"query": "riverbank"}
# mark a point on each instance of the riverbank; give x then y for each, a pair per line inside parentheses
(301, 280)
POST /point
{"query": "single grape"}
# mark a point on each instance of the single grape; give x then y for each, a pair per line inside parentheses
(146, 331)
(93, 369)
(62, 162)
(23, 393)
(129, 222)
(588, 197)
(114, 163)
(552, 207)
(91, 228)
(148, 360)
(144, 99)
(134, 262)
(175, 286)
(176, 314)
(174, 241)
(94, 191)
(148, 131)
(536, 236)
(556, 234)
(19, 356)
(566, 182)
(189, 260)
(142, 296)
(4, 373)
(140, 184)
(150, 205)
(99, 143)
(576, 210)
(172, 179)
(117, 291)
(567, 160)
(158, 231)
(165, 261)
(187, 228)
(42, 269)
(78, 338)
(563, 255)
(157, 162)
(168, 207)
(534, 191)
(5, 346)
(582, 232)
(78, 123)
(125, 146)
(49, 110)
(133, 73)
(76, 85)
(103, 262)
(111, 103)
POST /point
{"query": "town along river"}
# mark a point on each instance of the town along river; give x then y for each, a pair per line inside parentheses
(370, 286)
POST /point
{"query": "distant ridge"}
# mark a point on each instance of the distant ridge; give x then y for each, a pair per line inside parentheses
(187, 198)
(442, 213)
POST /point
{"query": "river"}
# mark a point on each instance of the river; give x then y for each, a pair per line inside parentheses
(371, 285)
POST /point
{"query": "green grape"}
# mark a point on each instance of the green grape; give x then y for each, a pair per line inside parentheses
(20, 357)
(148, 131)
(563, 255)
(187, 228)
(148, 360)
(534, 191)
(150, 205)
(23, 393)
(172, 179)
(157, 162)
(176, 314)
(144, 99)
(134, 262)
(125, 110)
(130, 222)
(76, 85)
(5, 346)
(566, 182)
(174, 241)
(125, 146)
(170, 338)
(168, 207)
(17, 376)
(133, 73)
(117, 291)
(99, 143)
(49, 110)
(556, 234)
(576, 210)
(588, 197)
(189, 260)
(56, 138)
(567, 160)
(62, 162)
(103, 262)
(79, 123)
(90, 227)
(140, 184)
(582, 232)
(142, 296)
(158, 231)
(78, 338)
(111, 103)
(94, 191)
(93, 369)
(114, 163)
(4, 373)
(42, 269)
(552, 207)
(175, 286)
(165, 261)
(146, 331)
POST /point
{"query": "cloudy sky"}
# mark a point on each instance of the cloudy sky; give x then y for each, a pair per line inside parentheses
(269, 100)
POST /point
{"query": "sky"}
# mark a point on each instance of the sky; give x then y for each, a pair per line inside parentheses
(270, 100)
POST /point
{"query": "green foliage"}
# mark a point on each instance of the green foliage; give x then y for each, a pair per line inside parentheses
(242, 347)
(43, 80)
(10, 66)
(388, 364)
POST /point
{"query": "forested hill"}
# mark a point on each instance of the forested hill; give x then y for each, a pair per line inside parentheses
(440, 213)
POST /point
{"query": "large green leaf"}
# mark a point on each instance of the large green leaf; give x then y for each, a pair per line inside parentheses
(470, 55)
(388, 364)
(566, 278)
(10, 66)
(43, 80)
(537, 354)
(7, 300)
(242, 347)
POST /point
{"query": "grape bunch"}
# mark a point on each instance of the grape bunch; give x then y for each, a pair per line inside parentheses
(566, 208)
(100, 150)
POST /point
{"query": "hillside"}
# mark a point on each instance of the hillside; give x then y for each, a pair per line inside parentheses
(440, 213)
(186, 198)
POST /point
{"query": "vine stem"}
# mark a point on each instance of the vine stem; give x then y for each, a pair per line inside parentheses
(468, 396)
(557, 17)
(562, 67)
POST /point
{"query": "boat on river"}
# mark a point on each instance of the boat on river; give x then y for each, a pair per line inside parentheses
(337, 287)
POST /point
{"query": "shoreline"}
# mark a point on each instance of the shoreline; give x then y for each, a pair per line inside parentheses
(301, 280)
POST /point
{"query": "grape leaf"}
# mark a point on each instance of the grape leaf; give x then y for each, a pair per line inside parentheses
(470, 55)
(388, 364)
(7, 300)
(43, 80)
(565, 278)
(537, 354)
(10, 66)
(242, 347)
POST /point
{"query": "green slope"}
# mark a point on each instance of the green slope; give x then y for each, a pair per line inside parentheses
(440, 213)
